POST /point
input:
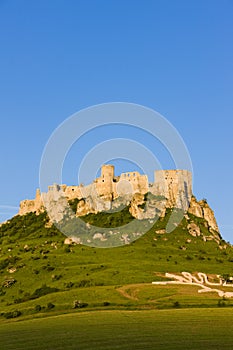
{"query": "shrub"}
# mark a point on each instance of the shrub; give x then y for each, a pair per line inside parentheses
(84, 283)
(68, 285)
(67, 249)
(12, 314)
(2, 292)
(176, 304)
(221, 303)
(37, 308)
(43, 290)
(50, 306)
(106, 303)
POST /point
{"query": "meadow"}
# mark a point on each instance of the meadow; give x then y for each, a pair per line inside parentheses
(199, 329)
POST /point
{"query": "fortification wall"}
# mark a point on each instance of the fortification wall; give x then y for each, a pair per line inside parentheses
(72, 192)
(32, 205)
(138, 182)
(175, 185)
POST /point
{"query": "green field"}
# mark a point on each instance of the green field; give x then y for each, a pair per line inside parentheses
(207, 329)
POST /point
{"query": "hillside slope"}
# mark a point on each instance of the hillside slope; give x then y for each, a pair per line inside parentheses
(36, 267)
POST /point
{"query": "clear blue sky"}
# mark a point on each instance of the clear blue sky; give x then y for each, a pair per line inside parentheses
(57, 57)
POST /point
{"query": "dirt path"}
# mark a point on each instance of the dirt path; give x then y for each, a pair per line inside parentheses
(131, 291)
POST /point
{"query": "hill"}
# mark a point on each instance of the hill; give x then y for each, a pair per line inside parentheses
(40, 273)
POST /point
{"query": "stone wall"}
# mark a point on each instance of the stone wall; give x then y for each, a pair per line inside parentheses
(175, 185)
(34, 205)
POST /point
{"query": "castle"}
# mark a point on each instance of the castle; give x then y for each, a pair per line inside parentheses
(170, 189)
(174, 185)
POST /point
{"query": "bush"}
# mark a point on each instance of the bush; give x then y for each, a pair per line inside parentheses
(84, 283)
(12, 314)
(37, 308)
(2, 292)
(68, 285)
(176, 304)
(43, 290)
(50, 306)
(106, 303)
(221, 303)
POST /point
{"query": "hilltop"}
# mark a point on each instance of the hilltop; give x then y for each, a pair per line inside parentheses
(146, 203)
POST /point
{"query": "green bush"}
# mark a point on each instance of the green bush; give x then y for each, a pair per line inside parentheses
(50, 306)
(106, 303)
(37, 308)
(2, 292)
(12, 314)
(176, 304)
(43, 290)
(84, 283)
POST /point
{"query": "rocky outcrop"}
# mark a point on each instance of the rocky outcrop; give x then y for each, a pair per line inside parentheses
(201, 209)
(193, 229)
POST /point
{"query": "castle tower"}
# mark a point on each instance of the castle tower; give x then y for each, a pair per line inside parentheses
(175, 185)
(38, 195)
(104, 184)
(107, 172)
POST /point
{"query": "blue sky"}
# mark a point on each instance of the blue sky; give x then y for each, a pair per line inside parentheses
(57, 57)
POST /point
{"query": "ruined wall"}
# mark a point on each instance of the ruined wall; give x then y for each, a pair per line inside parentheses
(175, 185)
(137, 182)
(73, 192)
(32, 205)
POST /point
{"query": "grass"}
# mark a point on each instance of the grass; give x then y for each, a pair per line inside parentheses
(48, 271)
(199, 329)
(116, 306)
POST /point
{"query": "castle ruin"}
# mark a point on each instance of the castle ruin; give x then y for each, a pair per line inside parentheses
(174, 185)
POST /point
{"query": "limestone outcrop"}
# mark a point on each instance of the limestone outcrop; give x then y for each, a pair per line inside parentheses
(201, 209)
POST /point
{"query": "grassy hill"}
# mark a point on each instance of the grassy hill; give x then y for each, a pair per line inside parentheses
(40, 274)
